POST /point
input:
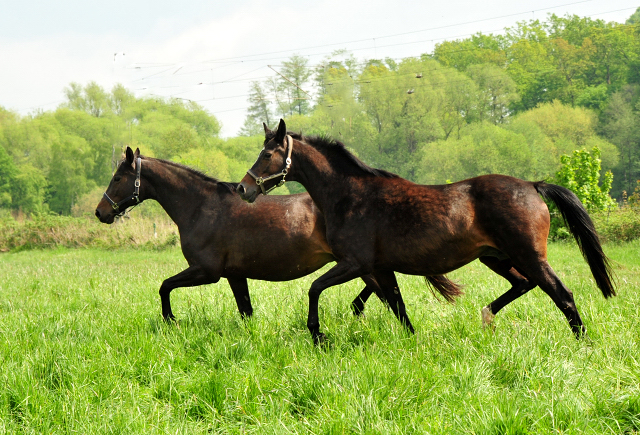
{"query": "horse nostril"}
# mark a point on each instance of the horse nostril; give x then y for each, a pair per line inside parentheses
(240, 189)
(98, 213)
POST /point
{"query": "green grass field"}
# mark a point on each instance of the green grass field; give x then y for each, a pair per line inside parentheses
(84, 350)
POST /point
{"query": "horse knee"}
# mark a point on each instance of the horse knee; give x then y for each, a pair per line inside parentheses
(165, 290)
(315, 291)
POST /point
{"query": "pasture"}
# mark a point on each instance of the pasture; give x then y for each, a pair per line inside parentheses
(83, 350)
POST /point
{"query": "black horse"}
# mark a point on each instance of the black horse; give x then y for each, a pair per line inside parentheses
(223, 236)
(379, 221)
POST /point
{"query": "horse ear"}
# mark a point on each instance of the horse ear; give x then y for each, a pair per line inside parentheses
(137, 153)
(282, 131)
(266, 129)
(129, 155)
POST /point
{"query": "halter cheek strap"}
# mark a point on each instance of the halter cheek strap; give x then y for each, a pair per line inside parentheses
(136, 191)
(260, 180)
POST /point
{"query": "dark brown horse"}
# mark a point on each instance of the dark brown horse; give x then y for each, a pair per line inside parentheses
(277, 239)
(377, 220)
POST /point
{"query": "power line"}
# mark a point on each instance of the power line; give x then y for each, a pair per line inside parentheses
(401, 34)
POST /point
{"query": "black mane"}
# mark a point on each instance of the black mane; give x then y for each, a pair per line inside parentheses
(340, 156)
(229, 186)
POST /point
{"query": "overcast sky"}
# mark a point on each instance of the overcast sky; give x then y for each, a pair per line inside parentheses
(209, 51)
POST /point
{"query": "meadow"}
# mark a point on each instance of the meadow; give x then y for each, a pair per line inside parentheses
(83, 350)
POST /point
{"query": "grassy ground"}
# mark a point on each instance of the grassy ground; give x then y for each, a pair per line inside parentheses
(83, 350)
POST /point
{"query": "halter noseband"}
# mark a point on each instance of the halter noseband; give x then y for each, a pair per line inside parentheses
(136, 191)
(260, 180)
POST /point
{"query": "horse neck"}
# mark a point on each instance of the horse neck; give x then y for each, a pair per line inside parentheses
(313, 170)
(177, 190)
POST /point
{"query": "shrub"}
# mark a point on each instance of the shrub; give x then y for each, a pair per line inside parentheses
(50, 231)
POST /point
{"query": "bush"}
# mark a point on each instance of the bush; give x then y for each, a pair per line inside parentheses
(51, 231)
(618, 225)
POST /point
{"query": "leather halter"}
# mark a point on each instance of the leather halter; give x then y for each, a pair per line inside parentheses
(260, 180)
(136, 191)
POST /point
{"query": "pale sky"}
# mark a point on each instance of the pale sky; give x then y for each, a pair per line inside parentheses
(209, 51)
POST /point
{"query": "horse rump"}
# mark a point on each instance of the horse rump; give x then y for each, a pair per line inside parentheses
(583, 230)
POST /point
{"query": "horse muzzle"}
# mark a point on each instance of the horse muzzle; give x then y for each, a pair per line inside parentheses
(105, 214)
(248, 192)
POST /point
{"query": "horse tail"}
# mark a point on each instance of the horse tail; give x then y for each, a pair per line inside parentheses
(583, 230)
(447, 288)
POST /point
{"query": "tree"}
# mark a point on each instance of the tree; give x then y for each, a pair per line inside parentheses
(294, 78)
(620, 123)
(497, 91)
(120, 99)
(580, 173)
(258, 112)
(634, 18)
(71, 162)
(482, 148)
(569, 128)
(479, 49)
(7, 177)
(29, 190)
(91, 99)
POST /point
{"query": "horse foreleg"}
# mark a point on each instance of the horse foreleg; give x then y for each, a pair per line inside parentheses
(189, 277)
(519, 286)
(371, 287)
(240, 291)
(340, 273)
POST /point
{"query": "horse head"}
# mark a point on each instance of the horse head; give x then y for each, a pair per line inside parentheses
(272, 166)
(123, 190)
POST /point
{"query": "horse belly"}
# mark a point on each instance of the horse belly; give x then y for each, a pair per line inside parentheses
(424, 256)
(280, 258)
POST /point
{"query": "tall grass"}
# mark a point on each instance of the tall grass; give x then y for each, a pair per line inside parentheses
(50, 231)
(83, 349)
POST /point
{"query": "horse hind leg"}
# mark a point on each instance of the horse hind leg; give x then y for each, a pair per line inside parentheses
(391, 290)
(519, 286)
(542, 274)
(371, 287)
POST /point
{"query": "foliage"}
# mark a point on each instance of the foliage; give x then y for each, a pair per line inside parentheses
(580, 173)
(481, 149)
(7, 178)
(548, 87)
(51, 231)
(620, 224)
(634, 18)
(56, 158)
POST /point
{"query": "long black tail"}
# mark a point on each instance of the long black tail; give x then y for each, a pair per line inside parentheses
(583, 230)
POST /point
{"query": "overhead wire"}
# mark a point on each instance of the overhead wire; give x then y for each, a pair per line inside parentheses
(389, 45)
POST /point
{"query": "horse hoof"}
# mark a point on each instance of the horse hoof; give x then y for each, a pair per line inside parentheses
(487, 318)
(319, 339)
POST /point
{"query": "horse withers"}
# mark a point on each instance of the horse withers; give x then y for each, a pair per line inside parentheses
(377, 220)
(279, 238)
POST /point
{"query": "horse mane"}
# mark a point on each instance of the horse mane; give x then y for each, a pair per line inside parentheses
(231, 187)
(339, 155)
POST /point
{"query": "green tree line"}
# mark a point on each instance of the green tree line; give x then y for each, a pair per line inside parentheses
(514, 104)
(61, 161)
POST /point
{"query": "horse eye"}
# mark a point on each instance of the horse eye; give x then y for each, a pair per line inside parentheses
(267, 155)
(117, 178)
